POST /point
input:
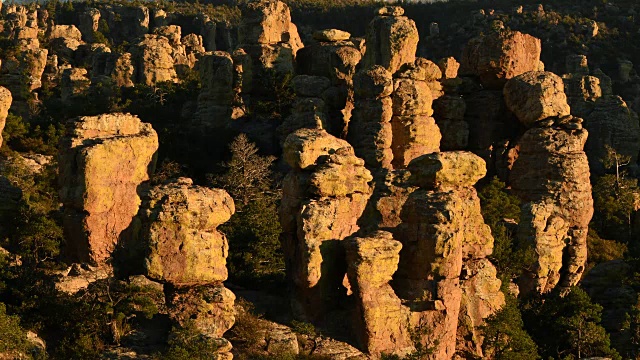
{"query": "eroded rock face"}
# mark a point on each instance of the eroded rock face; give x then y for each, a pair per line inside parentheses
(209, 308)
(103, 161)
(380, 317)
(216, 96)
(179, 233)
(500, 56)
(429, 277)
(551, 176)
(370, 129)
(392, 40)
(446, 169)
(535, 96)
(74, 82)
(126, 22)
(153, 60)
(324, 197)
(309, 109)
(612, 123)
(608, 118)
(5, 104)
(269, 37)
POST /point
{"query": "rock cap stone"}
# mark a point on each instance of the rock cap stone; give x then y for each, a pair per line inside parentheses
(454, 168)
(536, 95)
(303, 147)
(331, 35)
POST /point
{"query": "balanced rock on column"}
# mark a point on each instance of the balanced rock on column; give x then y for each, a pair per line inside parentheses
(551, 176)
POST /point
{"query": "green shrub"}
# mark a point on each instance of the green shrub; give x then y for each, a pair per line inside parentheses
(13, 339)
(189, 344)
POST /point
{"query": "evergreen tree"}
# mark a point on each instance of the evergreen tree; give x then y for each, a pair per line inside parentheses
(569, 327)
(505, 337)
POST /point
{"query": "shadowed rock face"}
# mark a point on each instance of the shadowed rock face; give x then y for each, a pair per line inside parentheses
(551, 176)
(500, 56)
(179, 233)
(5, 104)
(103, 160)
(608, 118)
(324, 196)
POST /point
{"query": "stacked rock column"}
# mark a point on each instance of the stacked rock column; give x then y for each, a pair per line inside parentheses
(607, 117)
(183, 248)
(551, 176)
(333, 55)
(487, 63)
(324, 196)
(269, 37)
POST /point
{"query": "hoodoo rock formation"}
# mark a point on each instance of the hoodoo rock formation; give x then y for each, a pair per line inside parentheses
(103, 161)
(269, 37)
(179, 223)
(402, 248)
(392, 40)
(551, 176)
(325, 195)
(607, 117)
(499, 56)
(182, 248)
(333, 55)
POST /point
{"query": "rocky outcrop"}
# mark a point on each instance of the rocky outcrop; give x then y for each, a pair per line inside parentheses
(208, 308)
(88, 23)
(64, 40)
(125, 22)
(429, 277)
(414, 130)
(153, 60)
(449, 112)
(333, 55)
(269, 37)
(499, 56)
(535, 96)
(217, 93)
(607, 117)
(309, 110)
(551, 176)
(324, 196)
(74, 82)
(103, 161)
(176, 234)
(392, 123)
(370, 129)
(380, 317)
(179, 233)
(392, 40)
(5, 104)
